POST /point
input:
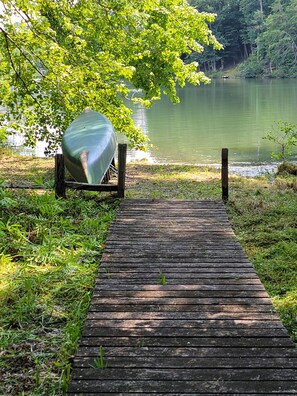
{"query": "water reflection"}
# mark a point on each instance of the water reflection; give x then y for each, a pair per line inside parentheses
(229, 113)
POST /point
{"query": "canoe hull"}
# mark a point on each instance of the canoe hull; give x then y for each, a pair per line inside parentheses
(89, 145)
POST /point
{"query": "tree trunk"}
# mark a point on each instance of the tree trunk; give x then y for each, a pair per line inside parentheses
(246, 52)
(261, 7)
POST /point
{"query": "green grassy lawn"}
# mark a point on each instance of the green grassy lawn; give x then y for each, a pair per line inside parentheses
(50, 252)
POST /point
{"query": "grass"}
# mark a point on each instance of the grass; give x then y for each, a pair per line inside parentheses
(99, 362)
(162, 280)
(172, 181)
(263, 214)
(50, 252)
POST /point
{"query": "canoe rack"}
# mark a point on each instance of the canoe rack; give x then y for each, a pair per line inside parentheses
(61, 184)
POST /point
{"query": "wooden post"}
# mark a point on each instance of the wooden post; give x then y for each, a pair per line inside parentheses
(60, 189)
(224, 173)
(122, 155)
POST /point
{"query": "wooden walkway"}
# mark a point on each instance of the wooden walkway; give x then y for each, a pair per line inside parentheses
(210, 330)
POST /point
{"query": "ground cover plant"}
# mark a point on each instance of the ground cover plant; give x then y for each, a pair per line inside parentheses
(49, 257)
(263, 213)
(50, 251)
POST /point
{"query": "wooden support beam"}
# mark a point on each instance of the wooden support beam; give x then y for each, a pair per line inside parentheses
(25, 187)
(91, 187)
(122, 155)
(60, 188)
(224, 173)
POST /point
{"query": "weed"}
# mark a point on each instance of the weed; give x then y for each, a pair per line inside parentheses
(162, 278)
(100, 362)
(65, 369)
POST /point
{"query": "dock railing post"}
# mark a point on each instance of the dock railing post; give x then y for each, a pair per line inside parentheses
(60, 189)
(122, 155)
(224, 175)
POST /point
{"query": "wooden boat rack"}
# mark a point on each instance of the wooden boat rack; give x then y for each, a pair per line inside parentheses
(61, 184)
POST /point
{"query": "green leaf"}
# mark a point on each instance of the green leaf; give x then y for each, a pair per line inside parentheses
(58, 57)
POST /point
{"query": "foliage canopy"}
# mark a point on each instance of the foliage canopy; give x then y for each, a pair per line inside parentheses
(261, 34)
(59, 56)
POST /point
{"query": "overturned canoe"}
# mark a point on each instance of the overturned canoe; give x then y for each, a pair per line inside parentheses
(89, 145)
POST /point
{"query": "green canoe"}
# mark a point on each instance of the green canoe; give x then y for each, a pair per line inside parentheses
(89, 145)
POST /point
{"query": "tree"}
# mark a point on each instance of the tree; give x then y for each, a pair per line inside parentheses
(254, 13)
(227, 28)
(278, 42)
(59, 56)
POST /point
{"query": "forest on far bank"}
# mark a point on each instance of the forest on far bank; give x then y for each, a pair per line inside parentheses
(258, 35)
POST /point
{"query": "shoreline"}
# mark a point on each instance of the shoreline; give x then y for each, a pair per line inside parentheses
(244, 169)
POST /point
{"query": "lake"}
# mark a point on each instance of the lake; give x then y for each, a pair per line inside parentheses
(230, 113)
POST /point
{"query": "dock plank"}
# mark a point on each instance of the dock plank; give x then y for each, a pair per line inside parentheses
(209, 329)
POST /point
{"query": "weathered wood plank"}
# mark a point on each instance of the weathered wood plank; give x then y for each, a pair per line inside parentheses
(171, 258)
(193, 295)
(201, 324)
(161, 339)
(143, 202)
(125, 279)
(163, 394)
(181, 315)
(213, 332)
(146, 299)
(172, 272)
(218, 386)
(117, 283)
(210, 330)
(255, 287)
(194, 362)
(175, 251)
(174, 255)
(157, 307)
(191, 278)
(176, 243)
(188, 352)
(174, 267)
(137, 229)
(186, 374)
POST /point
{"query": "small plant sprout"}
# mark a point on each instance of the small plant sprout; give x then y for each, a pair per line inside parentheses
(100, 362)
(162, 278)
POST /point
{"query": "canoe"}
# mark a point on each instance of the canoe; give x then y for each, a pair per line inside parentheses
(89, 145)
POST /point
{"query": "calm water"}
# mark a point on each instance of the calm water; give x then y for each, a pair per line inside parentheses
(228, 113)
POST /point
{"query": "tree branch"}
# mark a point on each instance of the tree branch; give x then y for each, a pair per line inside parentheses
(18, 75)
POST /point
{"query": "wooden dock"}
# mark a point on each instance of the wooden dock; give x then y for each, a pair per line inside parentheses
(179, 310)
